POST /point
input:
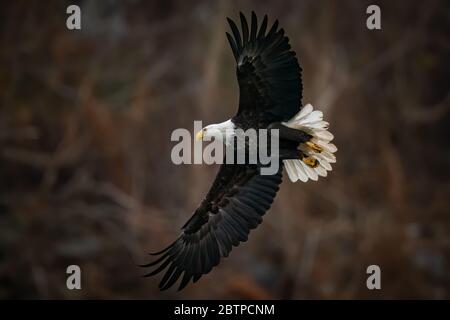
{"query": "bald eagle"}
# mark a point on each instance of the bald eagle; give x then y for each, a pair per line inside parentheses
(270, 86)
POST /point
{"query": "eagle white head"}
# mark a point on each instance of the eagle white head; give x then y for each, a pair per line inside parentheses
(221, 131)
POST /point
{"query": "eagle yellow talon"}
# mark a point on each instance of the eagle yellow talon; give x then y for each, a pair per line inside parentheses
(310, 161)
(314, 146)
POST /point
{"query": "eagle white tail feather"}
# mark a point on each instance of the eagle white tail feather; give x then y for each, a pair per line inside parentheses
(318, 152)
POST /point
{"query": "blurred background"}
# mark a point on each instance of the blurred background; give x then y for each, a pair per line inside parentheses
(85, 170)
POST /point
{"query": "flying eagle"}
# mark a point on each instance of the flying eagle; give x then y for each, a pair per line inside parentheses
(270, 86)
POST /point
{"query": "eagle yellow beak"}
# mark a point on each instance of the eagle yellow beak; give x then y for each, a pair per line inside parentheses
(199, 135)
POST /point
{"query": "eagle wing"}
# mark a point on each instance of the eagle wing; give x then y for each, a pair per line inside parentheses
(268, 72)
(235, 204)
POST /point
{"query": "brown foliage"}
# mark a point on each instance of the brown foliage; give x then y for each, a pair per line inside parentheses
(85, 170)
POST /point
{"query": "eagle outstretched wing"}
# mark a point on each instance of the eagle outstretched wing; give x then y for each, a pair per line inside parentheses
(235, 204)
(268, 72)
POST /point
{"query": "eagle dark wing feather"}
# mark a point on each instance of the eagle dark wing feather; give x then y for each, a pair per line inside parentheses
(268, 72)
(235, 204)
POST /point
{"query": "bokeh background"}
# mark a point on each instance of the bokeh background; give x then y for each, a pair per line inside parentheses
(85, 170)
